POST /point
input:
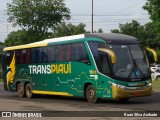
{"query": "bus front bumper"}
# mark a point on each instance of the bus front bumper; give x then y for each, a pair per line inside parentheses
(120, 92)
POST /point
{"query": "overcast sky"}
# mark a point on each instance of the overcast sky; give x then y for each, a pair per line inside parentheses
(107, 14)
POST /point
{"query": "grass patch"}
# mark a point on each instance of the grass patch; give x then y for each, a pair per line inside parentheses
(156, 85)
(1, 80)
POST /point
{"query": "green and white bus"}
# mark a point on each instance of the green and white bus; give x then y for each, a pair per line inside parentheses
(80, 65)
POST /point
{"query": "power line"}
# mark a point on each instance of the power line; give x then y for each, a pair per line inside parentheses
(102, 22)
(127, 8)
(112, 20)
(110, 15)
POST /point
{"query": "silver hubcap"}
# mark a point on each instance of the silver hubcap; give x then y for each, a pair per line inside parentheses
(28, 91)
(20, 90)
(91, 94)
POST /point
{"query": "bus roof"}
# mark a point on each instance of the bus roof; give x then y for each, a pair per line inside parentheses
(114, 38)
(45, 42)
(110, 38)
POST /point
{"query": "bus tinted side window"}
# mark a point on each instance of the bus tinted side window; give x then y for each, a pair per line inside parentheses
(79, 53)
(39, 55)
(63, 53)
(36, 55)
(51, 53)
(17, 57)
(33, 55)
(68, 54)
(94, 46)
(45, 55)
(28, 56)
(20, 57)
(23, 56)
(60, 53)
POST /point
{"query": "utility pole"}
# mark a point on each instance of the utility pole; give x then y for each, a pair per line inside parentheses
(92, 16)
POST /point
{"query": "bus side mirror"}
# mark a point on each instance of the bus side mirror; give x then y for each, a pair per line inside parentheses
(111, 54)
(155, 55)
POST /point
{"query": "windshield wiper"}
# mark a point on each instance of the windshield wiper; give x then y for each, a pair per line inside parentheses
(137, 67)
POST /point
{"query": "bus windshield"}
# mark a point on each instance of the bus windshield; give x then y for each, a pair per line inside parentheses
(131, 63)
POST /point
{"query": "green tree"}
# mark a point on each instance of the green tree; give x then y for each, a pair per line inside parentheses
(64, 29)
(15, 38)
(38, 16)
(27, 36)
(151, 39)
(153, 8)
(99, 31)
(134, 29)
(23, 37)
(145, 33)
(1, 44)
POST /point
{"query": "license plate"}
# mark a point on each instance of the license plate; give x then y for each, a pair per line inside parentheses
(137, 93)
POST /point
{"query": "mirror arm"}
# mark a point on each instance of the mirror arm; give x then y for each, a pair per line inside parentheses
(155, 55)
(110, 52)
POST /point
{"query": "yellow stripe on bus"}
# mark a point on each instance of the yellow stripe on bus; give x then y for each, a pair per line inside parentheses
(25, 46)
(51, 93)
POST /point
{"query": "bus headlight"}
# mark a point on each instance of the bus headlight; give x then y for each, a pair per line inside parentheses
(119, 86)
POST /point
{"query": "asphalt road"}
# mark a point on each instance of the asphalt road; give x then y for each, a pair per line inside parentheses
(11, 102)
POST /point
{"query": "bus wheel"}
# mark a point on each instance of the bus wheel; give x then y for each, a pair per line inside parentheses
(20, 90)
(91, 94)
(28, 90)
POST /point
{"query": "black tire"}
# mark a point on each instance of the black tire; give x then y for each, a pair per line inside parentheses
(91, 94)
(20, 90)
(28, 90)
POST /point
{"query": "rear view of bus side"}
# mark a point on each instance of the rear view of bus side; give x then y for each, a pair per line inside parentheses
(80, 65)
